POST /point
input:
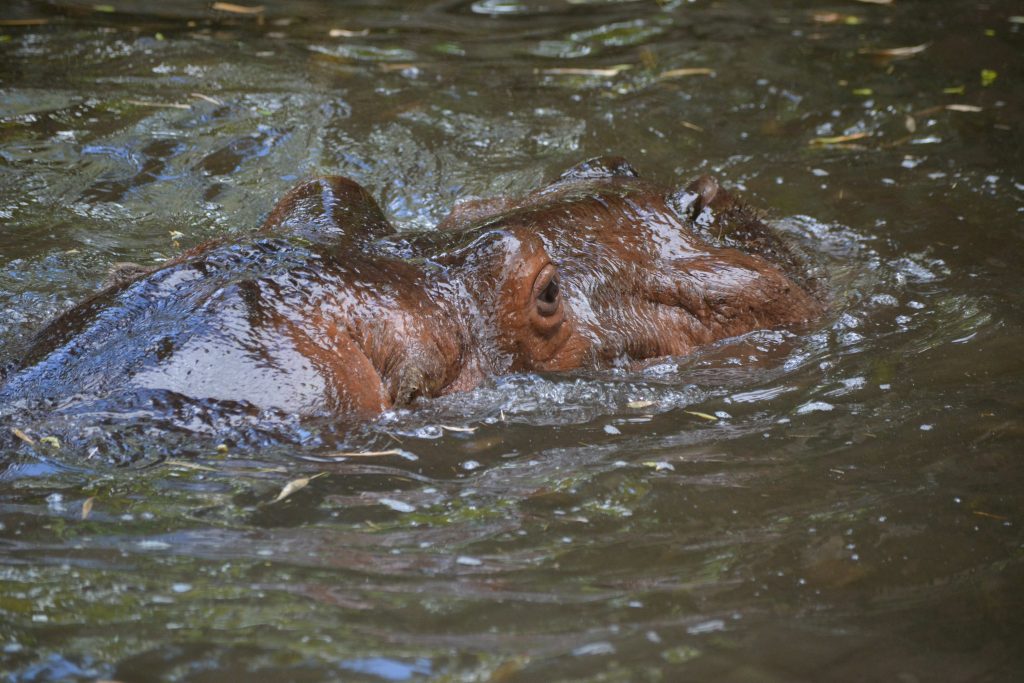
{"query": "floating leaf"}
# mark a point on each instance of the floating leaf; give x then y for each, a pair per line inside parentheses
(295, 485)
(164, 105)
(837, 139)
(955, 90)
(23, 436)
(863, 92)
(576, 71)
(363, 454)
(837, 18)
(345, 33)
(640, 404)
(691, 71)
(51, 441)
(894, 52)
(87, 507)
(703, 416)
(189, 465)
(988, 76)
(237, 9)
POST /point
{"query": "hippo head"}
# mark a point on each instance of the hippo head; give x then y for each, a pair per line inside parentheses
(328, 310)
(601, 269)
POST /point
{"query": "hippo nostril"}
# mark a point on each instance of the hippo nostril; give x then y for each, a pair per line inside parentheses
(550, 293)
(547, 291)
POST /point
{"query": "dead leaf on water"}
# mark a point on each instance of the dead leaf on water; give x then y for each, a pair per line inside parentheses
(836, 18)
(51, 441)
(640, 404)
(362, 454)
(237, 9)
(837, 139)
(162, 105)
(689, 71)
(575, 71)
(346, 33)
(295, 485)
(703, 416)
(23, 436)
(189, 465)
(894, 52)
(207, 98)
(87, 506)
(449, 428)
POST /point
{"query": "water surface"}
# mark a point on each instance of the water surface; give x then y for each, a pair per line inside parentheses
(837, 503)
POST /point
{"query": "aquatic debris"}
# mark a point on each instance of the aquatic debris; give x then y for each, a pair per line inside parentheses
(836, 18)
(703, 416)
(963, 107)
(575, 71)
(207, 98)
(164, 105)
(449, 428)
(346, 33)
(365, 454)
(894, 52)
(295, 485)
(690, 71)
(988, 76)
(640, 404)
(236, 9)
(51, 441)
(87, 506)
(23, 436)
(836, 139)
(189, 465)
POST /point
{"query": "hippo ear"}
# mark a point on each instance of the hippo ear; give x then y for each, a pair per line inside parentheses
(600, 167)
(692, 200)
(326, 210)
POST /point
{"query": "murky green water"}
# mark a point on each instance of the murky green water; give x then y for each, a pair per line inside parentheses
(854, 510)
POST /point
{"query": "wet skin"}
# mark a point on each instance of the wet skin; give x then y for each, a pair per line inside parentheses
(326, 310)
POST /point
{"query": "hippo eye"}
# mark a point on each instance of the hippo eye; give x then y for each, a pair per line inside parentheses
(547, 291)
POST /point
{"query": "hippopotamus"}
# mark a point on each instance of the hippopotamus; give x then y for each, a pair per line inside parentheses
(327, 310)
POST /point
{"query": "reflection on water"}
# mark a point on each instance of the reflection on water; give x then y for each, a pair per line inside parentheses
(836, 503)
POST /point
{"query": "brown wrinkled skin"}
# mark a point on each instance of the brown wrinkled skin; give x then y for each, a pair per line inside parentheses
(327, 311)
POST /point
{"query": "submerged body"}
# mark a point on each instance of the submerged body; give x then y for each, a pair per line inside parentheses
(328, 311)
